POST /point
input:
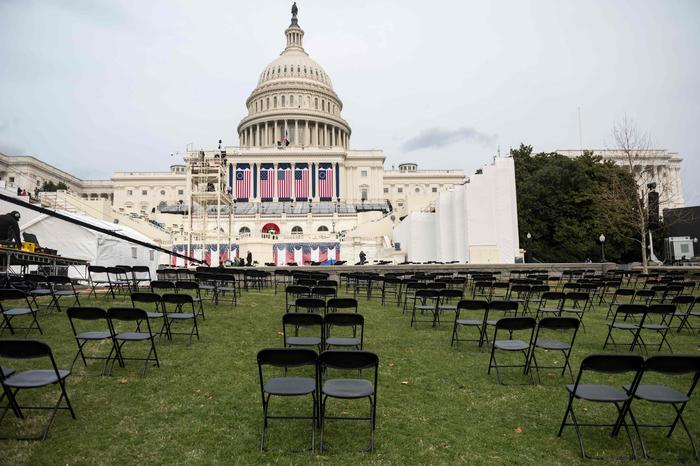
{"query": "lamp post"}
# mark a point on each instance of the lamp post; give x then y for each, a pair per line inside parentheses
(601, 238)
(527, 246)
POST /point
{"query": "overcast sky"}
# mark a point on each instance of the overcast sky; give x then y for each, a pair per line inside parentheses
(97, 86)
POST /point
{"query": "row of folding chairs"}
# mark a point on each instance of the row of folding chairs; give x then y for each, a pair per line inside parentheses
(315, 330)
(332, 374)
(638, 321)
(121, 279)
(55, 287)
(643, 382)
(313, 297)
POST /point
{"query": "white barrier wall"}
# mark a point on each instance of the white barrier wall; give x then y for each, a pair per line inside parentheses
(475, 222)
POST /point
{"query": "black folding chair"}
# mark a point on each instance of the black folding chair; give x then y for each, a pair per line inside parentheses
(62, 286)
(685, 310)
(478, 308)
(310, 305)
(657, 319)
(288, 386)
(119, 280)
(140, 274)
(576, 303)
(335, 304)
(607, 364)
(192, 287)
(41, 288)
(163, 286)
(82, 338)
(292, 293)
(208, 284)
(226, 284)
(498, 310)
(11, 311)
(97, 276)
(127, 315)
(624, 320)
(323, 292)
(346, 388)
(292, 322)
(425, 300)
(666, 367)
(544, 341)
(550, 304)
(13, 382)
(511, 325)
(534, 297)
(183, 311)
(391, 287)
(621, 296)
(158, 311)
(447, 301)
(350, 320)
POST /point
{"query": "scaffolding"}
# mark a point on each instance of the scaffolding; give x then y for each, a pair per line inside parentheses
(209, 203)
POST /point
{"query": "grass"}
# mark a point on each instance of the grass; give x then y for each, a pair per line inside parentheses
(436, 405)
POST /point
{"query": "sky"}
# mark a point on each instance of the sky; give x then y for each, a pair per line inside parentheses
(98, 86)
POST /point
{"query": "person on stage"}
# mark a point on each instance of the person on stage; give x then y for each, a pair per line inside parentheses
(9, 229)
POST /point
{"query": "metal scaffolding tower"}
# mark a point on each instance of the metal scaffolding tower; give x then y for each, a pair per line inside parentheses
(209, 211)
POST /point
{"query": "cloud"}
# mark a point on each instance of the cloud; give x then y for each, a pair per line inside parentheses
(433, 138)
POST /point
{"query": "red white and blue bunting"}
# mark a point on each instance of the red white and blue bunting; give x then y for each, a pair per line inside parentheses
(305, 253)
(211, 253)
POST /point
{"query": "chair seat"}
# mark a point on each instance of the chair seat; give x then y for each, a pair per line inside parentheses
(511, 345)
(180, 315)
(154, 315)
(343, 341)
(40, 292)
(469, 322)
(94, 335)
(348, 388)
(448, 307)
(655, 326)
(551, 310)
(303, 341)
(552, 345)
(575, 310)
(133, 336)
(35, 378)
(18, 311)
(624, 326)
(658, 394)
(290, 386)
(596, 392)
(423, 307)
(66, 293)
(6, 371)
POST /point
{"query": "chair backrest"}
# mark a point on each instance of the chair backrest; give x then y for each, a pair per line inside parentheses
(451, 293)
(297, 290)
(346, 319)
(175, 298)
(323, 291)
(539, 289)
(302, 319)
(144, 297)
(559, 323)
(519, 288)
(503, 305)
(126, 313)
(186, 285)
(624, 292)
(661, 309)
(426, 294)
(472, 305)
(162, 285)
(328, 283)
(683, 300)
(310, 303)
(631, 309)
(306, 282)
(59, 279)
(24, 349)
(86, 313)
(342, 303)
(576, 296)
(515, 323)
(349, 360)
(612, 363)
(673, 364)
(287, 357)
(7, 294)
(96, 269)
(553, 295)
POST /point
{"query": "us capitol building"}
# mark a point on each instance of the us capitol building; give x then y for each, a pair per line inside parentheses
(294, 190)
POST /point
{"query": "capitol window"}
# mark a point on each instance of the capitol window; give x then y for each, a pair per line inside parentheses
(244, 231)
(291, 101)
(434, 190)
(180, 192)
(162, 192)
(297, 230)
(323, 228)
(144, 192)
(129, 192)
(386, 190)
(274, 102)
(316, 103)
(399, 189)
(417, 190)
(283, 101)
(363, 173)
(267, 102)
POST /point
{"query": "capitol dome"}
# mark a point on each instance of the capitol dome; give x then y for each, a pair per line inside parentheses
(294, 102)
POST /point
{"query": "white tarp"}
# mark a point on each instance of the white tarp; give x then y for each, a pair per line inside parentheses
(78, 242)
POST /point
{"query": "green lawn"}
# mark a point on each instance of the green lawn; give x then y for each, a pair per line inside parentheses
(436, 405)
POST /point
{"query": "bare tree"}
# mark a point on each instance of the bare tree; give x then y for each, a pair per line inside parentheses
(627, 207)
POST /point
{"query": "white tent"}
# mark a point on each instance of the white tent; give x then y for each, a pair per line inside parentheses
(78, 242)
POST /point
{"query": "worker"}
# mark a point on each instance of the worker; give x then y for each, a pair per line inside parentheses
(9, 229)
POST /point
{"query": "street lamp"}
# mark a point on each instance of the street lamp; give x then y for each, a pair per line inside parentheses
(527, 246)
(601, 238)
